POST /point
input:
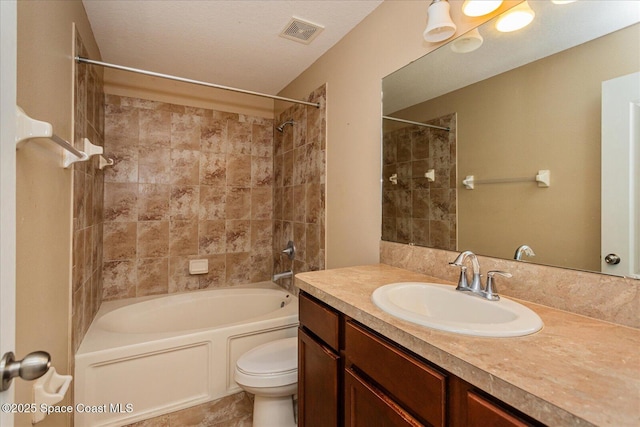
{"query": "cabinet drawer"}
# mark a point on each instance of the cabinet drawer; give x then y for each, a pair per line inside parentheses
(420, 388)
(320, 319)
(482, 412)
(365, 406)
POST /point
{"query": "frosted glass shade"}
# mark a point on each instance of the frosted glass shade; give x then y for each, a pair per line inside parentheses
(516, 18)
(467, 42)
(480, 7)
(439, 24)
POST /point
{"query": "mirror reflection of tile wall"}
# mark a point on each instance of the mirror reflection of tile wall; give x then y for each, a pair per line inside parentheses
(414, 209)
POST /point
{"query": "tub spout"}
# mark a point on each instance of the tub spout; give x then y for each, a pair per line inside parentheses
(283, 275)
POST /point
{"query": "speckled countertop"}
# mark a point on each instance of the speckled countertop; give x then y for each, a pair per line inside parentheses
(576, 371)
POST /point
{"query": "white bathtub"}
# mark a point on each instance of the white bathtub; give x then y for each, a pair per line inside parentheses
(145, 357)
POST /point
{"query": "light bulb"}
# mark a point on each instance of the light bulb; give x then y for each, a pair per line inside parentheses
(516, 18)
(480, 7)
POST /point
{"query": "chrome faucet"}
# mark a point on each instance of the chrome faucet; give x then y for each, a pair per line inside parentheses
(523, 250)
(463, 283)
(475, 288)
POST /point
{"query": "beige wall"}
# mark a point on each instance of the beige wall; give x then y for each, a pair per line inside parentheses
(557, 127)
(44, 216)
(390, 37)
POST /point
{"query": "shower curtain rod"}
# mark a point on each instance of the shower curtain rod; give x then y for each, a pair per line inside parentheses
(80, 59)
(416, 123)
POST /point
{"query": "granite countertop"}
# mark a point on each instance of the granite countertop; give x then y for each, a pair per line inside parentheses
(576, 371)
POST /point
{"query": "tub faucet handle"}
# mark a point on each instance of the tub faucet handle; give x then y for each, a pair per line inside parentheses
(290, 250)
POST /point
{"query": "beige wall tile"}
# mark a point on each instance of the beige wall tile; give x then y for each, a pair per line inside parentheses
(153, 239)
(185, 202)
(155, 129)
(119, 279)
(185, 132)
(152, 276)
(213, 169)
(239, 170)
(212, 202)
(183, 238)
(203, 184)
(239, 134)
(154, 166)
(120, 240)
(120, 202)
(238, 268)
(153, 202)
(185, 167)
(212, 237)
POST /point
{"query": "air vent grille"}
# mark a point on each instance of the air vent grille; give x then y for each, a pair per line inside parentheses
(301, 31)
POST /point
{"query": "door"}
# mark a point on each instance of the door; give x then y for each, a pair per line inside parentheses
(318, 388)
(620, 244)
(8, 31)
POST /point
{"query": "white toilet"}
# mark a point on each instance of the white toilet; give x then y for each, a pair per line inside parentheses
(270, 372)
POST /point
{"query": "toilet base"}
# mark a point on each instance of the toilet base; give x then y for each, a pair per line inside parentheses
(273, 411)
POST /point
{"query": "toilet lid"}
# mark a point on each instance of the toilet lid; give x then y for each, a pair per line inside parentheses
(274, 357)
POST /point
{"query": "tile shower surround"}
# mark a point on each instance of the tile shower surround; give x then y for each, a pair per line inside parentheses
(187, 183)
(87, 199)
(195, 183)
(299, 188)
(415, 210)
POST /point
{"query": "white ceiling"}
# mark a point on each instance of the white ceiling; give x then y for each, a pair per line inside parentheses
(231, 43)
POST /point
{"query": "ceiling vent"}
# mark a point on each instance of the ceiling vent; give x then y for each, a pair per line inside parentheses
(301, 31)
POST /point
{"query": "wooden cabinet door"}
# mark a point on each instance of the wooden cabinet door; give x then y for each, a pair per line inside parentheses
(481, 413)
(366, 406)
(318, 383)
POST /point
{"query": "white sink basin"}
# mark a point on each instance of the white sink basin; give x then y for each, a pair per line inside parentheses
(442, 307)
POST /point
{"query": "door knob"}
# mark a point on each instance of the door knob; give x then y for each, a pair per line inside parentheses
(33, 366)
(612, 259)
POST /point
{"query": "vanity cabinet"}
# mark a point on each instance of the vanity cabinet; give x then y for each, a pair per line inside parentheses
(402, 380)
(352, 376)
(319, 365)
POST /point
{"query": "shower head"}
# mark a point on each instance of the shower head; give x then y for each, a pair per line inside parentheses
(281, 127)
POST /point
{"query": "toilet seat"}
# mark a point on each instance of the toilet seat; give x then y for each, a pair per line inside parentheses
(269, 365)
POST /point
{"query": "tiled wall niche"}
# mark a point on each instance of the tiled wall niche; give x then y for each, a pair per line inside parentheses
(188, 183)
(87, 199)
(299, 188)
(415, 210)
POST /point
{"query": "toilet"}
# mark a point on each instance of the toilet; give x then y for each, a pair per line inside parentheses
(270, 372)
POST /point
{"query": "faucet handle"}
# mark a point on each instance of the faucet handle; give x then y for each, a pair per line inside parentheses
(488, 291)
(463, 284)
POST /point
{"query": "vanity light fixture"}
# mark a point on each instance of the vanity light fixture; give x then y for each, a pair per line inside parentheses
(439, 24)
(516, 18)
(480, 7)
(467, 42)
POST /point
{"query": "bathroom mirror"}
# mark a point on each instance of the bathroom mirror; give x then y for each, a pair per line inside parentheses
(525, 114)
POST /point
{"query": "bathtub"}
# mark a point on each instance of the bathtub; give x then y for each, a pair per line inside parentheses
(144, 357)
